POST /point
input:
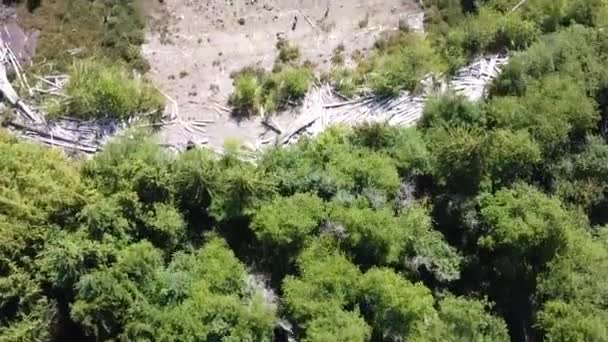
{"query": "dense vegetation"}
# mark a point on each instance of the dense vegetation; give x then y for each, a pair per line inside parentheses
(98, 44)
(487, 222)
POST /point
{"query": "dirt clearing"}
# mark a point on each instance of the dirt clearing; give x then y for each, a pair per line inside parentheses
(194, 46)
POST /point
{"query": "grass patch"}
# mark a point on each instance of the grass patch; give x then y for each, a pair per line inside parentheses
(399, 61)
(401, 64)
(258, 92)
(100, 90)
(80, 29)
(288, 53)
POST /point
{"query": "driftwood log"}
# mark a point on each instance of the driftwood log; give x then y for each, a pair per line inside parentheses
(84, 136)
(322, 107)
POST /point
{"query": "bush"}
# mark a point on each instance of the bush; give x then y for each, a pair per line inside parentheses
(247, 93)
(287, 52)
(257, 91)
(292, 84)
(99, 90)
(402, 66)
(344, 81)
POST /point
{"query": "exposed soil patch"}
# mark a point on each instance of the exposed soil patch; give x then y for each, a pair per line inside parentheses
(194, 45)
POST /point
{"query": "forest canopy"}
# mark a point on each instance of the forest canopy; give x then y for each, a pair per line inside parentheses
(486, 222)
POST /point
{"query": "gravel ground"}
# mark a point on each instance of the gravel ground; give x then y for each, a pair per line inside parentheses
(193, 46)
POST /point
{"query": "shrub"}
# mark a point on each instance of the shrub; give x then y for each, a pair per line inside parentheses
(257, 91)
(247, 93)
(401, 66)
(100, 90)
(345, 81)
(287, 52)
(292, 84)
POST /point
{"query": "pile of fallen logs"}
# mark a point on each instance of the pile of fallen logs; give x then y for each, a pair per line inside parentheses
(323, 107)
(30, 123)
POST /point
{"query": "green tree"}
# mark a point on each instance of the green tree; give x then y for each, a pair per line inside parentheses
(395, 307)
(285, 222)
(463, 319)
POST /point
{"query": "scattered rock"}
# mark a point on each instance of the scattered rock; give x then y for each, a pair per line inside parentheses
(241, 21)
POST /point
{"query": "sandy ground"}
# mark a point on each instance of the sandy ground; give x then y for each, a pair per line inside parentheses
(194, 45)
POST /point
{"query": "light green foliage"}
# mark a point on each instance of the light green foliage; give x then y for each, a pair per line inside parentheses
(135, 200)
(376, 237)
(67, 257)
(218, 265)
(525, 222)
(577, 52)
(33, 324)
(194, 173)
(406, 147)
(39, 191)
(287, 221)
(462, 319)
(237, 188)
(207, 316)
(403, 64)
(442, 13)
(573, 112)
(395, 306)
(247, 93)
(328, 283)
(568, 322)
(327, 280)
(464, 151)
(344, 81)
(134, 156)
(575, 291)
(36, 184)
(289, 85)
(137, 297)
(105, 297)
(509, 156)
(550, 15)
(259, 92)
(489, 30)
(339, 325)
(165, 226)
(331, 163)
(99, 90)
(360, 169)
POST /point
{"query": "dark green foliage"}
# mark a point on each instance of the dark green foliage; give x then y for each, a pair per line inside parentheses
(453, 110)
